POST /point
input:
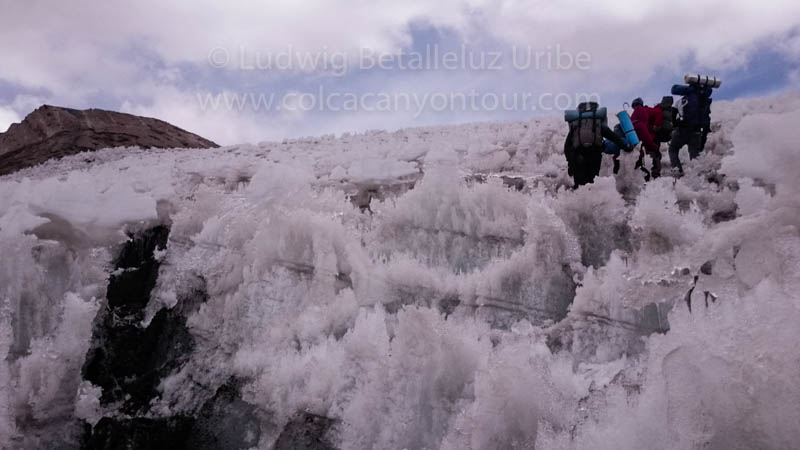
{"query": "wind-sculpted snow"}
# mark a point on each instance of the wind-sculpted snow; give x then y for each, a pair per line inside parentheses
(475, 302)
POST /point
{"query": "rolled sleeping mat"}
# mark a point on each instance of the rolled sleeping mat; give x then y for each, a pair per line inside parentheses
(681, 89)
(627, 128)
(571, 115)
(702, 80)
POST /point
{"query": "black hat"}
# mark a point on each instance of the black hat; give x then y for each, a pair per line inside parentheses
(637, 102)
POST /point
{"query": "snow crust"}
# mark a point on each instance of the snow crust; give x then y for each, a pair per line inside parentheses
(458, 314)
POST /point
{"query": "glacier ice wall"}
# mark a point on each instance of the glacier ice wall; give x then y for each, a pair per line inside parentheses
(477, 303)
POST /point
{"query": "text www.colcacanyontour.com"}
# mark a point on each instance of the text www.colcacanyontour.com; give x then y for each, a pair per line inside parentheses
(377, 102)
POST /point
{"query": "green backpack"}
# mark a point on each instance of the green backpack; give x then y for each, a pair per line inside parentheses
(664, 134)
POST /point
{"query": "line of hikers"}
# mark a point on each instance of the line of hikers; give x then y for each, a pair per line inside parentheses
(688, 125)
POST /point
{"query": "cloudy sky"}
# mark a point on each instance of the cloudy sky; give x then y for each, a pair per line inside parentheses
(239, 71)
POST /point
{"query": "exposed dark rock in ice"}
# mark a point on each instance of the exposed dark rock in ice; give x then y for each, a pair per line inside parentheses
(306, 431)
(224, 422)
(129, 361)
(724, 216)
(137, 433)
(578, 333)
(599, 239)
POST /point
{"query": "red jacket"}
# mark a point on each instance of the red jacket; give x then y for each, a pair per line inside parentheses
(645, 120)
(656, 119)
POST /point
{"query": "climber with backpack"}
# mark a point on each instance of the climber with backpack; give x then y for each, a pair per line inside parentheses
(584, 145)
(668, 116)
(646, 121)
(694, 122)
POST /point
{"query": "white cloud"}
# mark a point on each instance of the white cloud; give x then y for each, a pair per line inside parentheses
(7, 117)
(88, 40)
(634, 36)
(791, 46)
(55, 43)
(221, 125)
(83, 50)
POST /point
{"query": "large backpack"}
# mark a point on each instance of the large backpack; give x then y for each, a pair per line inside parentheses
(587, 132)
(664, 133)
(697, 108)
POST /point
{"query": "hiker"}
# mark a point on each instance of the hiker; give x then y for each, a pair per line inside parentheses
(584, 145)
(693, 125)
(669, 115)
(645, 121)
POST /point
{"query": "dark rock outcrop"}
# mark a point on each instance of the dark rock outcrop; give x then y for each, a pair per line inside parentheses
(54, 132)
(306, 431)
(126, 359)
(225, 422)
(129, 360)
(137, 433)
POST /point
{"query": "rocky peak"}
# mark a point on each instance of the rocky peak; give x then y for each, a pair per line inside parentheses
(55, 132)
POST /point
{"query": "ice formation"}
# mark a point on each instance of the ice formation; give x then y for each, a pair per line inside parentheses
(477, 303)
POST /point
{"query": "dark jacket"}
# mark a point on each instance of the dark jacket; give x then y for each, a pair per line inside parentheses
(583, 164)
(608, 133)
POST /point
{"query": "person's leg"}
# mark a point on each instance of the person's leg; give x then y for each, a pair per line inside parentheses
(703, 139)
(675, 145)
(595, 161)
(589, 168)
(578, 174)
(640, 160)
(695, 144)
(583, 177)
(656, 171)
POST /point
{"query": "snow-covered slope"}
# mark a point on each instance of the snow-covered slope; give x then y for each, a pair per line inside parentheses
(467, 310)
